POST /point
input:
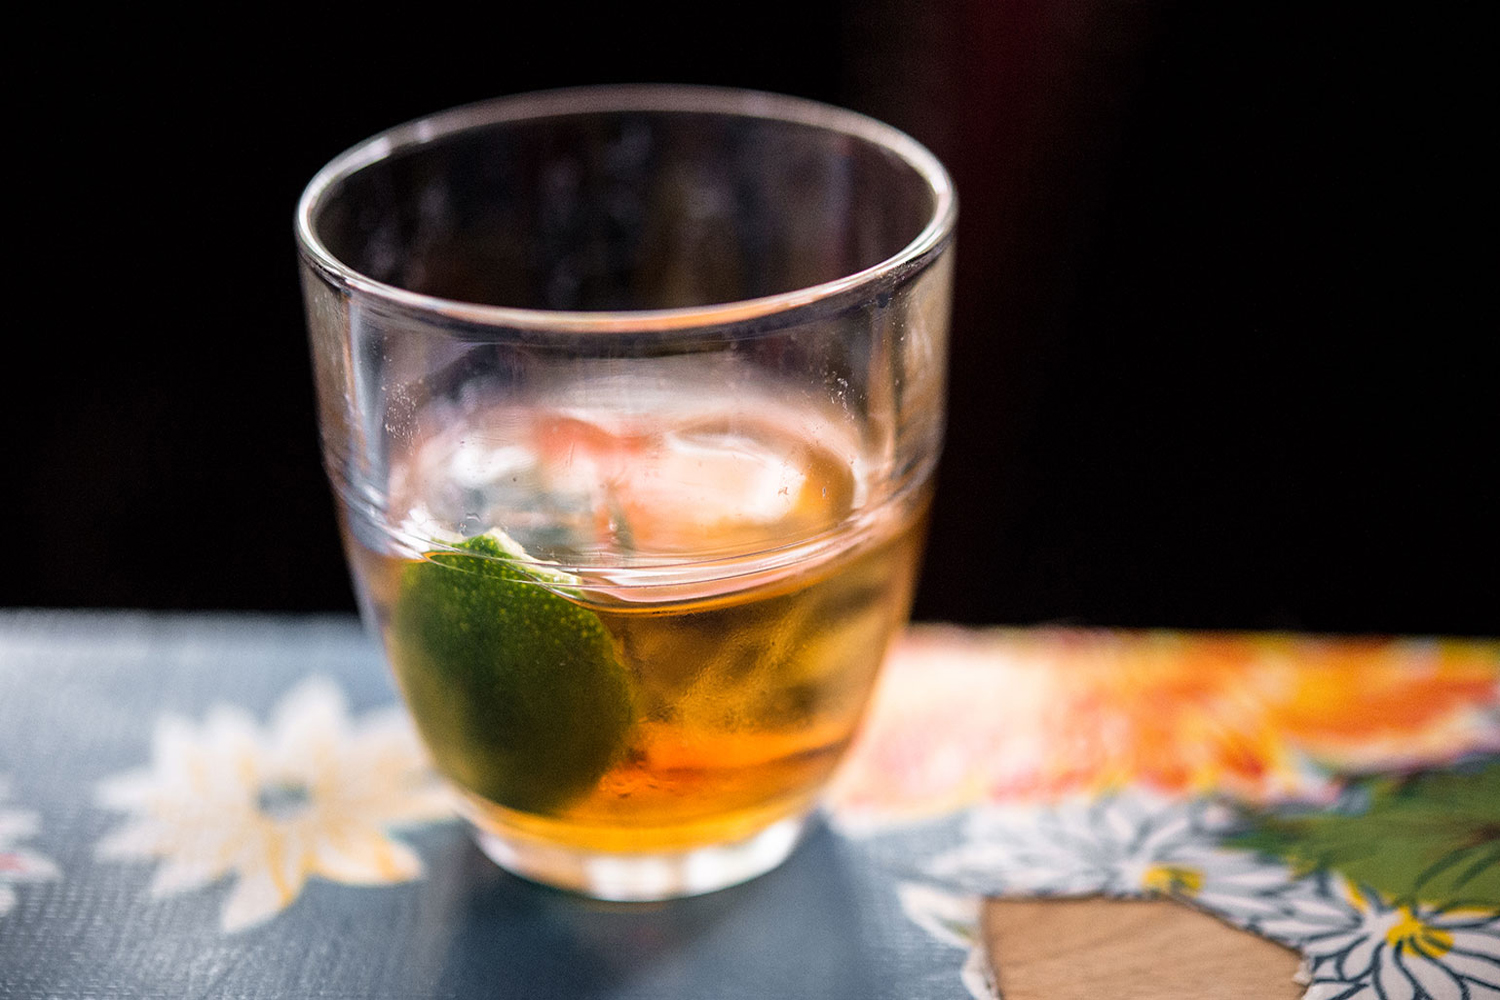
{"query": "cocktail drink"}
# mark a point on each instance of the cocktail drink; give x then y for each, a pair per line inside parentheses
(631, 399)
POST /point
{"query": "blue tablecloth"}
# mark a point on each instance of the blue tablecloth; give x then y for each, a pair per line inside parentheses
(83, 696)
(234, 806)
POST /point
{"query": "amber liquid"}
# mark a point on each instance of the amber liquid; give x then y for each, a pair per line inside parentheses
(750, 678)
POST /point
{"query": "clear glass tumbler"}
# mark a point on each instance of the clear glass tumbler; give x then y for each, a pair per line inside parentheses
(631, 399)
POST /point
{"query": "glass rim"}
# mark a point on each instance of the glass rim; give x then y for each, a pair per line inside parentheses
(729, 102)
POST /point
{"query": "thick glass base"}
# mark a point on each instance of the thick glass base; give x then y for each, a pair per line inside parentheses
(647, 877)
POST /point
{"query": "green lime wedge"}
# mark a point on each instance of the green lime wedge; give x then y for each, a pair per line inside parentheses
(517, 690)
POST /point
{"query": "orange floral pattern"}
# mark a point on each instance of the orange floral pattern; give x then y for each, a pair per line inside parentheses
(966, 716)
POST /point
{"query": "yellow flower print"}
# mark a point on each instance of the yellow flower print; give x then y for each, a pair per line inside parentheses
(312, 794)
(1358, 945)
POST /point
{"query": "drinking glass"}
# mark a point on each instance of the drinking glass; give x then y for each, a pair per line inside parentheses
(630, 398)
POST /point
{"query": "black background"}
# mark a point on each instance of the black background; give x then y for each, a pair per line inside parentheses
(1223, 350)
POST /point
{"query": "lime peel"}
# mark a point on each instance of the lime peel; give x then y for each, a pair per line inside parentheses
(517, 690)
(546, 572)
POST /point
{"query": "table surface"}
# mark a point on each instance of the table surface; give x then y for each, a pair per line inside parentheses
(235, 806)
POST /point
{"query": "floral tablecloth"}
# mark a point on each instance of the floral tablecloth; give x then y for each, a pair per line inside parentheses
(235, 806)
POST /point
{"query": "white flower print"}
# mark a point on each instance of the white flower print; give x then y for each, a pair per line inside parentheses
(1127, 845)
(1358, 944)
(952, 919)
(19, 864)
(312, 794)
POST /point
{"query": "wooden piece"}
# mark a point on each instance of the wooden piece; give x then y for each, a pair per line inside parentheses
(1127, 949)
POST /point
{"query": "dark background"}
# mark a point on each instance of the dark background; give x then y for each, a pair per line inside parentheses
(1223, 349)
